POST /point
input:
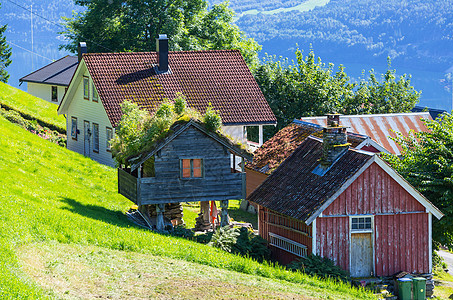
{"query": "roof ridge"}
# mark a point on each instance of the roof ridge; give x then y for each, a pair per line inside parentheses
(170, 52)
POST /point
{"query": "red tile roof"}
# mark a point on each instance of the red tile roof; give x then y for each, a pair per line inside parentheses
(380, 128)
(275, 150)
(218, 77)
(294, 190)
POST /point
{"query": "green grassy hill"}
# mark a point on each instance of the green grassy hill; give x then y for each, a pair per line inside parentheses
(63, 234)
(31, 107)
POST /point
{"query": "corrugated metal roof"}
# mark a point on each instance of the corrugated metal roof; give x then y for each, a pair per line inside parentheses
(58, 73)
(380, 127)
(219, 77)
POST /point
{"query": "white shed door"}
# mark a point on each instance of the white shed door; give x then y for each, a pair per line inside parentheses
(361, 255)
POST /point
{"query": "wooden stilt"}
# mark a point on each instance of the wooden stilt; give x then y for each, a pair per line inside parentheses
(160, 208)
(224, 218)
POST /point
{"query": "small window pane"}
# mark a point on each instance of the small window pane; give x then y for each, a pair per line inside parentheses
(86, 88)
(74, 127)
(95, 94)
(95, 137)
(361, 223)
(54, 94)
(186, 163)
(109, 135)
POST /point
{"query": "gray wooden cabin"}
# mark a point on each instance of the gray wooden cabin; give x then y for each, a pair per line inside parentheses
(192, 164)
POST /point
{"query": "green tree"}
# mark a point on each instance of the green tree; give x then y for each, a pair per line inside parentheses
(5, 54)
(427, 163)
(309, 87)
(133, 25)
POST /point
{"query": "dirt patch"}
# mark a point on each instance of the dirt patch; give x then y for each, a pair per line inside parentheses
(76, 272)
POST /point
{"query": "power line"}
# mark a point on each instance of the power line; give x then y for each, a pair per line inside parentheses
(30, 51)
(54, 23)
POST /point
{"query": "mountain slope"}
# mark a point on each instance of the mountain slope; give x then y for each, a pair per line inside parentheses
(54, 196)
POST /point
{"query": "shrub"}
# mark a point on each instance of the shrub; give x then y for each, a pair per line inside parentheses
(252, 245)
(212, 119)
(181, 231)
(180, 104)
(320, 266)
(224, 238)
(205, 238)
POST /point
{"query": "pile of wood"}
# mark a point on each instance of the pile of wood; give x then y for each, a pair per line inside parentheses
(173, 212)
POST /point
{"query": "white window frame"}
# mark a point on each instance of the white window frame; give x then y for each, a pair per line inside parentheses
(362, 230)
(108, 137)
(74, 128)
(94, 95)
(95, 136)
(288, 245)
(86, 88)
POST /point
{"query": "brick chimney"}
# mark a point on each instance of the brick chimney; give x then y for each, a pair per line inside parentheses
(335, 140)
(82, 48)
(162, 52)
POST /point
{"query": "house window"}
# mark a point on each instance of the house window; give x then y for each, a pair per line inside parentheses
(109, 135)
(86, 88)
(361, 224)
(95, 137)
(287, 245)
(95, 94)
(54, 95)
(74, 128)
(191, 168)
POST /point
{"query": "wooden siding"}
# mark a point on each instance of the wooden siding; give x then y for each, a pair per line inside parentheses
(401, 243)
(271, 221)
(400, 232)
(88, 110)
(217, 183)
(253, 179)
(332, 239)
(127, 185)
(373, 192)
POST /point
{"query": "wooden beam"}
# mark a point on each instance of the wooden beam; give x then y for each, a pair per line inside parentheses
(160, 208)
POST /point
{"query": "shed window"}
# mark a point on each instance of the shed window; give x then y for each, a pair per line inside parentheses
(192, 168)
(109, 135)
(74, 128)
(361, 223)
(95, 137)
(54, 94)
(86, 88)
(95, 94)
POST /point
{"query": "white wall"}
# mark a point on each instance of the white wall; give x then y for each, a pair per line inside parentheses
(93, 112)
(44, 91)
(236, 132)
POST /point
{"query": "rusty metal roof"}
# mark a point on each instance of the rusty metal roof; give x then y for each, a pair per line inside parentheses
(219, 77)
(380, 127)
(294, 190)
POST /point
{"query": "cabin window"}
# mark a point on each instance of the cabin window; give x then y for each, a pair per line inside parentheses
(95, 94)
(95, 137)
(54, 94)
(109, 135)
(148, 169)
(86, 88)
(74, 128)
(361, 224)
(192, 168)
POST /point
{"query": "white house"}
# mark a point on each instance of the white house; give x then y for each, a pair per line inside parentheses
(102, 81)
(51, 81)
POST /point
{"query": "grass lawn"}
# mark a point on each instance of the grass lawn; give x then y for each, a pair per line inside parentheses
(57, 205)
(443, 285)
(31, 106)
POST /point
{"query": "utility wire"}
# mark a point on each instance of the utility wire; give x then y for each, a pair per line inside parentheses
(54, 23)
(52, 60)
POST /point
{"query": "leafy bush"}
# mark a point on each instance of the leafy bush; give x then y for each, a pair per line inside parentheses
(252, 245)
(183, 232)
(438, 261)
(212, 119)
(205, 238)
(320, 266)
(224, 238)
(138, 131)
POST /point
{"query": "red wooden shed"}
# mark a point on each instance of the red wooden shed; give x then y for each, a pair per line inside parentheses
(347, 205)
